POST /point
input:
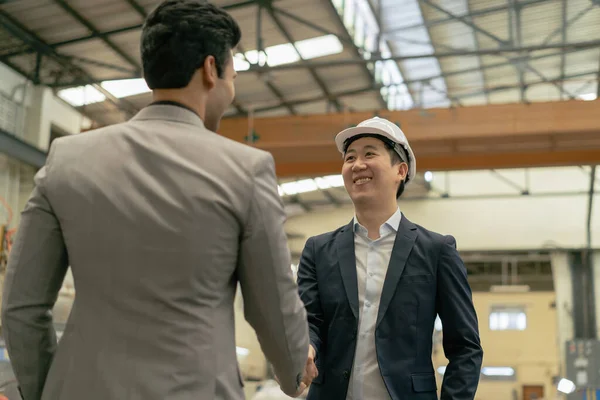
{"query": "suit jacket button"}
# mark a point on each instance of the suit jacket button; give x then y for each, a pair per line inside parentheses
(346, 374)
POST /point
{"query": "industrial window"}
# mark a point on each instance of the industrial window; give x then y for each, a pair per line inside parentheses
(511, 318)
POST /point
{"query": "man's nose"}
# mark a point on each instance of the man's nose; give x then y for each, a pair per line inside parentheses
(358, 165)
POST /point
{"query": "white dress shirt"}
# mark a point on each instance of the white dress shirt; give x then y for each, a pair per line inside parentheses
(372, 260)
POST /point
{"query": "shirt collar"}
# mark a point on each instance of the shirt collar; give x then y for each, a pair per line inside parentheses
(391, 225)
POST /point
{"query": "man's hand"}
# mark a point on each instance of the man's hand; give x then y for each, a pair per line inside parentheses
(310, 372)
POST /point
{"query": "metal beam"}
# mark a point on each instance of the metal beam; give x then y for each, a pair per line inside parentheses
(482, 137)
(566, 23)
(456, 98)
(564, 40)
(312, 71)
(312, 25)
(521, 65)
(269, 84)
(319, 98)
(82, 20)
(478, 13)
(591, 44)
(367, 72)
(428, 83)
(589, 210)
(466, 21)
(517, 35)
(509, 182)
(543, 80)
(97, 35)
(17, 30)
(16, 148)
(138, 8)
(478, 47)
(107, 34)
(103, 65)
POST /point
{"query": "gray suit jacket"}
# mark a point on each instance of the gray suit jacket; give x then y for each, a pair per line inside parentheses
(159, 219)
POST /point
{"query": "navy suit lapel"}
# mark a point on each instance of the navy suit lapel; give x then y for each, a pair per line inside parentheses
(347, 261)
(405, 240)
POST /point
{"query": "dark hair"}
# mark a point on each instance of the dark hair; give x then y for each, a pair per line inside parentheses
(389, 145)
(178, 36)
(395, 157)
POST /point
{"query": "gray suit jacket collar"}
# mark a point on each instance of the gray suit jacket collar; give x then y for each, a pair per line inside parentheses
(164, 112)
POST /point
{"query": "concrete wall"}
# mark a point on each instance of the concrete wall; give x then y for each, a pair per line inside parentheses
(484, 213)
(41, 109)
(533, 352)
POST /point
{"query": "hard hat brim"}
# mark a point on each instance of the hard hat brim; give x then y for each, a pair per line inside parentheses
(346, 134)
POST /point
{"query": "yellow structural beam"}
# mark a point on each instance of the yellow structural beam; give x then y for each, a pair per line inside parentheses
(481, 137)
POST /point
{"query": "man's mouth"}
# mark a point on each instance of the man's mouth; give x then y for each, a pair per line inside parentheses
(361, 181)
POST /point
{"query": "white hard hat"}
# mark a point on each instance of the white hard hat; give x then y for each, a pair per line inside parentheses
(383, 127)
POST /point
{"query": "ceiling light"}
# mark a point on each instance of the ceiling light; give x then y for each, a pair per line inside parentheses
(497, 371)
(334, 180)
(566, 386)
(588, 96)
(428, 176)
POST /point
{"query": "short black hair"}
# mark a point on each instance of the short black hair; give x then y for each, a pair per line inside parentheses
(178, 36)
(390, 146)
(395, 157)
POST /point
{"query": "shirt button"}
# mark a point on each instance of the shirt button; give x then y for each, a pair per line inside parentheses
(367, 304)
(371, 274)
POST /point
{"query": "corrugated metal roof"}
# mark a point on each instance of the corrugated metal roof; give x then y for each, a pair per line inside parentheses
(410, 30)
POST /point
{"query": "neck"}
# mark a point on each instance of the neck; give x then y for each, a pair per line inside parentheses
(373, 217)
(182, 96)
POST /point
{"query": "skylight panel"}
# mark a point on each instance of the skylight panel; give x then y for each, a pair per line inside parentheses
(303, 186)
(81, 95)
(319, 47)
(281, 54)
(126, 87)
(253, 57)
(240, 63)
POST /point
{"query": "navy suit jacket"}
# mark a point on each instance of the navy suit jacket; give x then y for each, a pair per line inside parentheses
(426, 277)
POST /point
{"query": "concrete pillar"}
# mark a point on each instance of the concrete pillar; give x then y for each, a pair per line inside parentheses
(561, 273)
(595, 259)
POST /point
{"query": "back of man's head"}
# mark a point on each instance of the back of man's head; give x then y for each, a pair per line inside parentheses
(178, 36)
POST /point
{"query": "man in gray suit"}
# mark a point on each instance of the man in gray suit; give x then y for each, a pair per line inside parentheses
(159, 218)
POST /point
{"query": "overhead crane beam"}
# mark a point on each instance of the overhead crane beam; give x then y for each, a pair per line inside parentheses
(481, 137)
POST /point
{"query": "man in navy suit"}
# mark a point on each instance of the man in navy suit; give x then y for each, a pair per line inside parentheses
(373, 288)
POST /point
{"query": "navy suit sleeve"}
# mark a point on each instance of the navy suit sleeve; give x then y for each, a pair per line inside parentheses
(461, 342)
(309, 293)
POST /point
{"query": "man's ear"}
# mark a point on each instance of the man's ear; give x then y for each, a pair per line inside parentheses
(209, 72)
(403, 170)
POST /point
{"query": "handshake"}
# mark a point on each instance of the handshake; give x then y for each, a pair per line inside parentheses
(310, 372)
